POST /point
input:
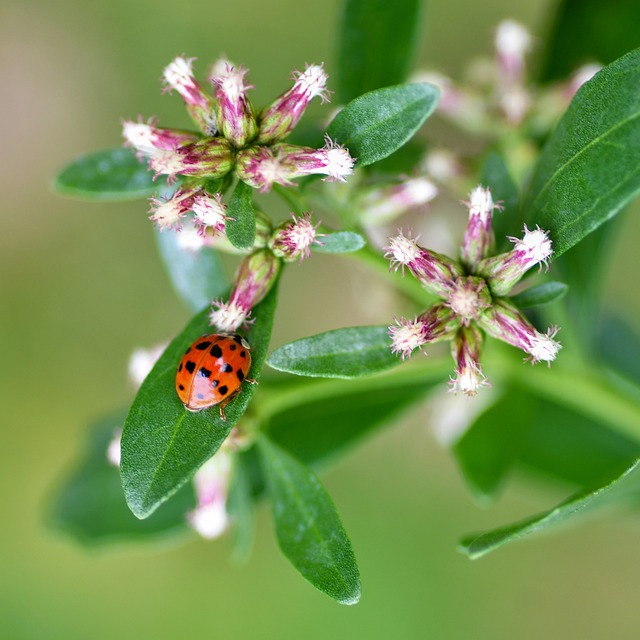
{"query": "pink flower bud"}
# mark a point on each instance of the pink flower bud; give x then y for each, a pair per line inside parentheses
(281, 117)
(209, 158)
(435, 324)
(179, 76)
(167, 214)
(503, 271)
(479, 240)
(293, 239)
(147, 139)
(504, 321)
(465, 349)
(209, 213)
(512, 44)
(234, 111)
(386, 203)
(436, 272)
(254, 278)
(211, 482)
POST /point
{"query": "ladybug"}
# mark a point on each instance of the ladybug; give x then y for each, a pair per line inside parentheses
(212, 371)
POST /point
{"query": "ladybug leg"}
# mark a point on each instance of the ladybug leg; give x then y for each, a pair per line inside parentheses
(251, 381)
(225, 402)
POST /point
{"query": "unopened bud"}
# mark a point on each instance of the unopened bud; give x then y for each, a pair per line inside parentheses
(466, 349)
(504, 321)
(479, 239)
(281, 117)
(436, 273)
(236, 120)
(179, 76)
(147, 139)
(167, 214)
(210, 158)
(435, 324)
(503, 271)
(293, 239)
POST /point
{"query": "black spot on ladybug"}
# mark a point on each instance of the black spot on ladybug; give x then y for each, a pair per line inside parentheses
(199, 396)
(205, 373)
(190, 366)
(243, 354)
(233, 347)
(181, 387)
(237, 339)
(180, 368)
(216, 351)
(227, 368)
(215, 383)
(202, 346)
(240, 375)
(223, 390)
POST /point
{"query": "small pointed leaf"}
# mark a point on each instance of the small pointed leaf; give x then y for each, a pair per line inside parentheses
(352, 352)
(340, 242)
(241, 229)
(540, 295)
(111, 174)
(308, 527)
(378, 123)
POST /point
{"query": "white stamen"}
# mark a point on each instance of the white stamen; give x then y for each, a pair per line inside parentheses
(179, 74)
(312, 82)
(481, 203)
(535, 245)
(140, 136)
(401, 250)
(543, 347)
(512, 39)
(406, 335)
(210, 212)
(338, 164)
(228, 317)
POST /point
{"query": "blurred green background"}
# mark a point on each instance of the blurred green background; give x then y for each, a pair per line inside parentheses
(82, 287)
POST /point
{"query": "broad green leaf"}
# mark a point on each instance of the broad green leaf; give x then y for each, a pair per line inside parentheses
(589, 31)
(197, 276)
(163, 444)
(588, 170)
(377, 45)
(112, 174)
(340, 242)
(487, 450)
(240, 507)
(308, 528)
(623, 486)
(541, 294)
(495, 174)
(377, 123)
(241, 227)
(618, 346)
(338, 414)
(342, 353)
(90, 505)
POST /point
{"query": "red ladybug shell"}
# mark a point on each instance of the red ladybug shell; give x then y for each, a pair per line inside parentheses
(212, 370)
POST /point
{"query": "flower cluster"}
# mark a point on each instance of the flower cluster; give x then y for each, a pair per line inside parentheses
(472, 292)
(233, 137)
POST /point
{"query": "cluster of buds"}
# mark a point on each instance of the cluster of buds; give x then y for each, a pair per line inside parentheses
(500, 90)
(258, 271)
(473, 294)
(232, 138)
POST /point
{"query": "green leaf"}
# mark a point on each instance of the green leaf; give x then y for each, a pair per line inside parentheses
(618, 345)
(309, 530)
(241, 508)
(338, 414)
(476, 546)
(374, 125)
(540, 295)
(487, 450)
(163, 444)
(112, 174)
(241, 228)
(377, 45)
(90, 505)
(589, 31)
(588, 169)
(352, 352)
(340, 242)
(197, 276)
(495, 174)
